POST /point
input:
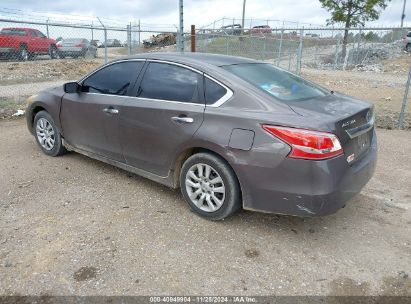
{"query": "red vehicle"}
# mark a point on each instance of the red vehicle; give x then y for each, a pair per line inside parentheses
(261, 29)
(25, 43)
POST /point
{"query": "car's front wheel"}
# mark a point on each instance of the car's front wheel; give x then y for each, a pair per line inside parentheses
(210, 186)
(47, 135)
(53, 52)
(408, 47)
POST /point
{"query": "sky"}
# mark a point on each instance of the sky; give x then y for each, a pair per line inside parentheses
(200, 12)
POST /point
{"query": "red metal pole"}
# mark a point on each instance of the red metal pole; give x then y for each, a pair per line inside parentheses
(193, 38)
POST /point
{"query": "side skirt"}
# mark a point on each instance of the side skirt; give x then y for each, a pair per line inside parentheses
(167, 180)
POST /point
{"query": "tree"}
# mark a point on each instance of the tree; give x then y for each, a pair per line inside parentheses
(352, 13)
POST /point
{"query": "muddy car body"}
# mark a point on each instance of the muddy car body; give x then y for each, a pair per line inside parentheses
(231, 132)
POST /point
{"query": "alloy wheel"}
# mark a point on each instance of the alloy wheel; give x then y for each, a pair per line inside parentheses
(45, 134)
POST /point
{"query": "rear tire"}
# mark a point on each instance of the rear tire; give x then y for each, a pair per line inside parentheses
(408, 48)
(23, 53)
(47, 135)
(210, 186)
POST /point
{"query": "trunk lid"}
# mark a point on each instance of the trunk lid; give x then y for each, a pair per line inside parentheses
(350, 119)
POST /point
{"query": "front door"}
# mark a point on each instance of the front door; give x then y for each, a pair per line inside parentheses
(90, 118)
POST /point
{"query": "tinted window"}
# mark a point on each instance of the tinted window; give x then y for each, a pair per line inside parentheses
(278, 83)
(13, 32)
(169, 82)
(114, 79)
(213, 91)
(40, 34)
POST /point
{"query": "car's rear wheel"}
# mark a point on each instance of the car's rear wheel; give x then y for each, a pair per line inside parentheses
(210, 186)
(23, 53)
(408, 47)
(47, 135)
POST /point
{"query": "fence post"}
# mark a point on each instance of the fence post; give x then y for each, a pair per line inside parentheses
(105, 40)
(300, 52)
(129, 39)
(280, 47)
(193, 38)
(47, 28)
(139, 33)
(337, 48)
(226, 45)
(289, 59)
(181, 26)
(404, 101)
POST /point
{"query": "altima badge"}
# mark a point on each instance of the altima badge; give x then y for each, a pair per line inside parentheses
(348, 123)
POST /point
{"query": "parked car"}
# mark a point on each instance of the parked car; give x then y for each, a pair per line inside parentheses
(24, 43)
(407, 42)
(232, 29)
(230, 132)
(261, 29)
(76, 47)
(112, 43)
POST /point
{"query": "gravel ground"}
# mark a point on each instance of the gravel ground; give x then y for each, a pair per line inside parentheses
(75, 226)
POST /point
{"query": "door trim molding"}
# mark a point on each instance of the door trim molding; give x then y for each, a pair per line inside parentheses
(168, 181)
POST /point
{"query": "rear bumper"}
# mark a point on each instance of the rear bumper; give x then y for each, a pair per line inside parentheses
(71, 52)
(7, 50)
(306, 188)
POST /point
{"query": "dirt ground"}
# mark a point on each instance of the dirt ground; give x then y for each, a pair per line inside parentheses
(72, 225)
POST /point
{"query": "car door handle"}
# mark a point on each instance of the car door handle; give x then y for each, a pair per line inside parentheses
(110, 111)
(182, 119)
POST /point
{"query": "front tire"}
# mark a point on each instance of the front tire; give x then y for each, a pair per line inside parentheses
(53, 52)
(47, 135)
(210, 186)
(408, 48)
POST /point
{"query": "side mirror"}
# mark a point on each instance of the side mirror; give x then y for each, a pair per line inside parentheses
(71, 87)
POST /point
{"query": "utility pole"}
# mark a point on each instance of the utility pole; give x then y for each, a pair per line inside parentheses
(181, 30)
(242, 23)
(403, 14)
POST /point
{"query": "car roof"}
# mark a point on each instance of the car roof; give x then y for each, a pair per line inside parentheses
(195, 59)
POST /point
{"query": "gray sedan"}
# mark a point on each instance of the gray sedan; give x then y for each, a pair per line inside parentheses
(230, 132)
(76, 47)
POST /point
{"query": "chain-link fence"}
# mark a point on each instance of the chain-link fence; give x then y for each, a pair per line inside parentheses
(367, 63)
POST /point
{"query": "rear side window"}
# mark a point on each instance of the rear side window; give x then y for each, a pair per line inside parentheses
(114, 79)
(13, 32)
(213, 91)
(170, 82)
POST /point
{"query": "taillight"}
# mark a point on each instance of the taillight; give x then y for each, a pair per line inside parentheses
(80, 45)
(307, 144)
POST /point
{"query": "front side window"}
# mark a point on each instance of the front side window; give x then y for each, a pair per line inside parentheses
(278, 83)
(114, 79)
(170, 82)
(41, 35)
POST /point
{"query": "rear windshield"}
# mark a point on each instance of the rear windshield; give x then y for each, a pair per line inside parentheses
(278, 83)
(13, 32)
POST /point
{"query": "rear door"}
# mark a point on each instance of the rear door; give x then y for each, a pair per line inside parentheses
(90, 119)
(167, 111)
